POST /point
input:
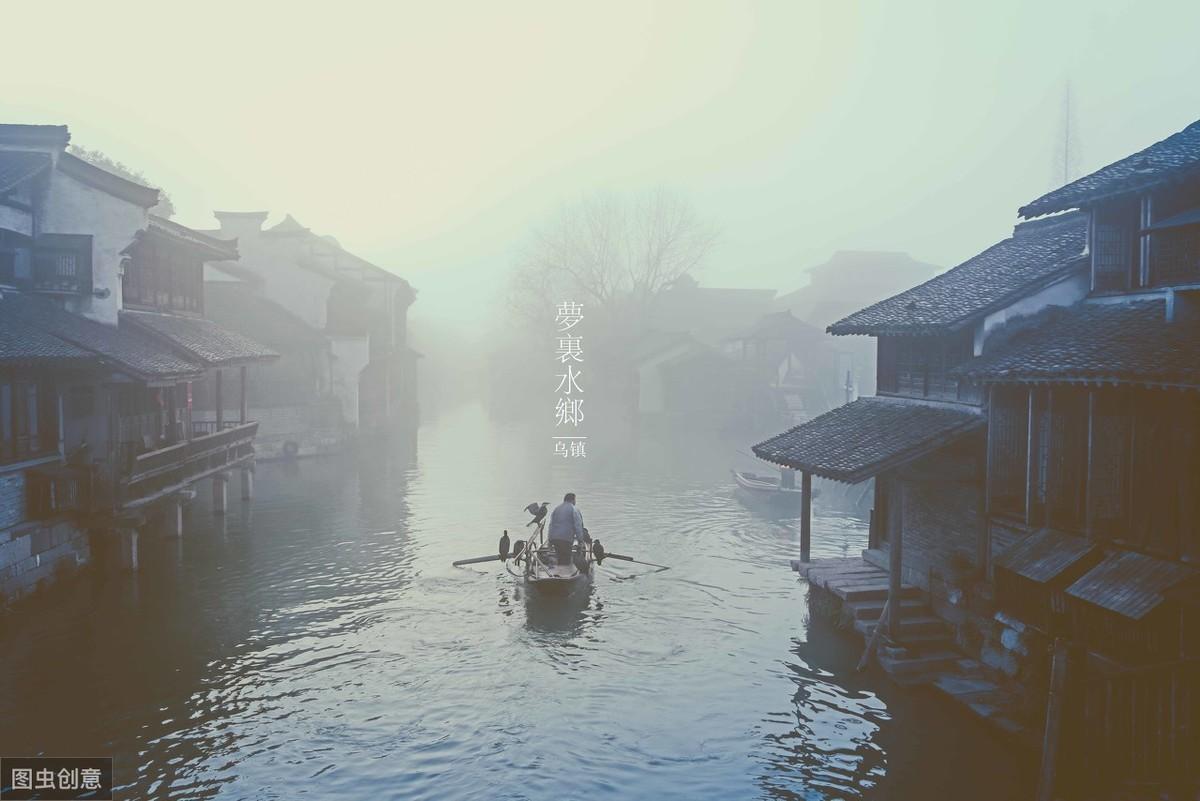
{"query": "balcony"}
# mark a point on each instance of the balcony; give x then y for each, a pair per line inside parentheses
(158, 473)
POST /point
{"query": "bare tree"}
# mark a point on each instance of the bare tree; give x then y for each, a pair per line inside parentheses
(614, 254)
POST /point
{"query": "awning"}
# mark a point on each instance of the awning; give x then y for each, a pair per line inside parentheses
(199, 338)
(1047, 555)
(862, 439)
(1130, 584)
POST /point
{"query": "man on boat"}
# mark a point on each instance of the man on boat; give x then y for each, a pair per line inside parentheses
(566, 526)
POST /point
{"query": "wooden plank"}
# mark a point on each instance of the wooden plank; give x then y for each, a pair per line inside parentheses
(1048, 776)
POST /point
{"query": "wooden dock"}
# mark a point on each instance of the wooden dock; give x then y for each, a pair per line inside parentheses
(925, 653)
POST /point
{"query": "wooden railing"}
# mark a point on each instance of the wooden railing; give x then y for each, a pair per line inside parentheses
(160, 472)
(202, 428)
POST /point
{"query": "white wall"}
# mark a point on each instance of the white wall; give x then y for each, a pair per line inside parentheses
(73, 207)
(1069, 291)
(350, 356)
(16, 220)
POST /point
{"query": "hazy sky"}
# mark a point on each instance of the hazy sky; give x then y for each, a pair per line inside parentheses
(429, 137)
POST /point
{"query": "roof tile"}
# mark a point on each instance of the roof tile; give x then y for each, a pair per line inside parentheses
(1036, 254)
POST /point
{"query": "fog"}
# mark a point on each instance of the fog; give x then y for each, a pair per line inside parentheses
(431, 138)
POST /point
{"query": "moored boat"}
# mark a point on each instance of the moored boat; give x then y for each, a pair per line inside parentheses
(765, 486)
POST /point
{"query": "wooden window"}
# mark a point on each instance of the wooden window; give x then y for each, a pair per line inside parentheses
(1116, 245)
(28, 419)
(1009, 437)
(885, 369)
(1064, 464)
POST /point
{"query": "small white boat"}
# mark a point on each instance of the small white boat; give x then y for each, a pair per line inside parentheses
(766, 486)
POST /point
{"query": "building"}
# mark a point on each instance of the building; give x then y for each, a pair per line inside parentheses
(1035, 441)
(105, 339)
(841, 285)
(342, 325)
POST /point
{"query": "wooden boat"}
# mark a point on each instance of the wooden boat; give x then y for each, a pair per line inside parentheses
(765, 486)
(536, 563)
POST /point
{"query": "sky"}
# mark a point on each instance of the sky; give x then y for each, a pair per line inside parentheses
(432, 138)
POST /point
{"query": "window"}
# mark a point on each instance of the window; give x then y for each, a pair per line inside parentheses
(63, 263)
(1116, 244)
(1008, 447)
(28, 419)
(920, 366)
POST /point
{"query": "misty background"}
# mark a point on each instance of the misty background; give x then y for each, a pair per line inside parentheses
(435, 139)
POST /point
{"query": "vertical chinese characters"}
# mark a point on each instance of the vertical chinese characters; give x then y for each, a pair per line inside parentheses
(568, 410)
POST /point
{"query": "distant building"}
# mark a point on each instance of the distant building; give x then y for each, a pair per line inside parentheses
(850, 280)
(342, 324)
(102, 342)
(1035, 442)
(709, 314)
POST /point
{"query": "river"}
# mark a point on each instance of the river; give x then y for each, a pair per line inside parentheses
(316, 643)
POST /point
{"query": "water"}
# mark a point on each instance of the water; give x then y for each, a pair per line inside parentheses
(316, 643)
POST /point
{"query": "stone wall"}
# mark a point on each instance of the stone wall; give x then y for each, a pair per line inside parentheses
(34, 554)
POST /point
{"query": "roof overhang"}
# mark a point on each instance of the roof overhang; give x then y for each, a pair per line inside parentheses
(869, 436)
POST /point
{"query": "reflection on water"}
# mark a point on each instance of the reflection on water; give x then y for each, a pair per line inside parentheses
(317, 643)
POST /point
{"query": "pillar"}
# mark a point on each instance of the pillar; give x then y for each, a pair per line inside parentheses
(242, 405)
(220, 490)
(805, 515)
(247, 483)
(173, 518)
(895, 563)
(127, 548)
(220, 400)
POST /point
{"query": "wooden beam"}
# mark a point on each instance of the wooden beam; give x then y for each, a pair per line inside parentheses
(895, 562)
(805, 515)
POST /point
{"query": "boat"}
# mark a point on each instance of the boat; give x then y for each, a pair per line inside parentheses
(766, 486)
(535, 561)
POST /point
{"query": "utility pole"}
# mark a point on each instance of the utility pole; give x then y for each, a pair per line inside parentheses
(1066, 151)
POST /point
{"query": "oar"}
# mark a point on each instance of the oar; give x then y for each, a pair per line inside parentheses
(476, 560)
(624, 558)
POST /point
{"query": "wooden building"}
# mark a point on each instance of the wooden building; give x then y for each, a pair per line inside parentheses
(1036, 447)
(105, 342)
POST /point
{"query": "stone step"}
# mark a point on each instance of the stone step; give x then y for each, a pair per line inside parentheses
(910, 666)
(911, 626)
(870, 591)
(923, 640)
(871, 610)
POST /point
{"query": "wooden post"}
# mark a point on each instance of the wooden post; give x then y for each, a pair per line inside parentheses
(172, 412)
(242, 409)
(1088, 526)
(1029, 460)
(1048, 777)
(220, 403)
(805, 515)
(895, 564)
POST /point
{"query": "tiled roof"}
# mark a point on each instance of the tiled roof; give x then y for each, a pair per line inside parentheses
(1130, 584)
(854, 442)
(102, 179)
(1046, 555)
(21, 343)
(199, 338)
(213, 248)
(237, 307)
(55, 136)
(1095, 341)
(18, 166)
(1038, 253)
(130, 351)
(1162, 161)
